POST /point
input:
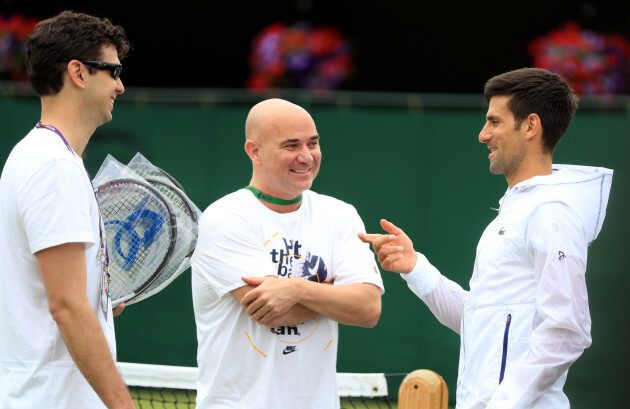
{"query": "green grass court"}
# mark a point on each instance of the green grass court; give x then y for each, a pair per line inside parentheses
(145, 398)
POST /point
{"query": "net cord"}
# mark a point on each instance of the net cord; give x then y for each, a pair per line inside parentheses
(369, 385)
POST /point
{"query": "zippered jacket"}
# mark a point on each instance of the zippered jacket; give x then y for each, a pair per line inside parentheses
(525, 319)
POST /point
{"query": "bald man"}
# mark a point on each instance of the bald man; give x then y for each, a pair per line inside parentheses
(277, 266)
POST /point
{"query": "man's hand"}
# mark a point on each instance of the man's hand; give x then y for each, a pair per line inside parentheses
(119, 309)
(394, 251)
(296, 315)
(271, 298)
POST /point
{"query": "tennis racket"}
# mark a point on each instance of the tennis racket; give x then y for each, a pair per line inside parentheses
(150, 171)
(178, 199)
(141, 232)
(187, 232)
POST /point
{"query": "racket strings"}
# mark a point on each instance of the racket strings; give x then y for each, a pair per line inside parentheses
(150, 241)
(186, 237)
(141, 234)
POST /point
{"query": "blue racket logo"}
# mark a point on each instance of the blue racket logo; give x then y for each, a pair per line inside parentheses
(127, 238)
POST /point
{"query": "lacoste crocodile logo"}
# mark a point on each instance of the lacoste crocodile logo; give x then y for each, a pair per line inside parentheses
(501, 231)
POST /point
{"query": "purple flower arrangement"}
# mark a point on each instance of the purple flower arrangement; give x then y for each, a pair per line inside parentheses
(593, 63)
(299, 56)
(13, 33)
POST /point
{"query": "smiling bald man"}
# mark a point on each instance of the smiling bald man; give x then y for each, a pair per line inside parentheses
(277, 266)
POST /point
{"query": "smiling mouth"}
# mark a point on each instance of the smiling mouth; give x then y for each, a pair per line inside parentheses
(301, 171)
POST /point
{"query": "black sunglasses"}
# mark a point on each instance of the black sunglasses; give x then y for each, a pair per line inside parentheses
(113, 68)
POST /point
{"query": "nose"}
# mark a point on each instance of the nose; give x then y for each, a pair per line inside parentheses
(305, 155)
(484, 134)
(120, 88)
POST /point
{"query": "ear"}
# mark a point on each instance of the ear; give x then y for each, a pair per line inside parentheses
(532, 127)
(253, 151)
(77, 74)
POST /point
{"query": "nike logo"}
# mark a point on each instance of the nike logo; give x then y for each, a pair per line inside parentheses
(288, 350)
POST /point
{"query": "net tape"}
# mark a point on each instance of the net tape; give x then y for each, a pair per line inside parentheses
(177, 385)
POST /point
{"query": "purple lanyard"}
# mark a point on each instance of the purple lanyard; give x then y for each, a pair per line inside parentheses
(58, 132)
(100, 228)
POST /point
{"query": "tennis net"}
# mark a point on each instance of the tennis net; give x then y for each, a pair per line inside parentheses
(173, 387)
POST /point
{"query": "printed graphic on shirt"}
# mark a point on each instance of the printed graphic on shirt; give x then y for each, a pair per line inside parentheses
(294, 260)
(288, 350)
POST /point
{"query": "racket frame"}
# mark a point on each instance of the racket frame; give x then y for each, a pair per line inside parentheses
(189, 212)
(172, 219)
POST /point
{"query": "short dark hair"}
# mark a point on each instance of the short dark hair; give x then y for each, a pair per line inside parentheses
(537, 91)
(68, 35)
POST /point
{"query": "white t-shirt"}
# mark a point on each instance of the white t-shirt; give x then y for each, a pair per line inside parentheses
(241, 363)
(46, 199)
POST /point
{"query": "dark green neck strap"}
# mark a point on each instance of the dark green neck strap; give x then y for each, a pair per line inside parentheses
(272, 199)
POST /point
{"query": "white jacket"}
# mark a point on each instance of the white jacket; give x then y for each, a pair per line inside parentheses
(525, 319)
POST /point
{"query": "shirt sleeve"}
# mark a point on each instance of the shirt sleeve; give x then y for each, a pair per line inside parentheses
(228, 247)
(353, 262)
(444, 297)
(55, 206)
(557, 239)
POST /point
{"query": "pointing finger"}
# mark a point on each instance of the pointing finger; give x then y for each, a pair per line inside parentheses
(382, 240)
(368, 237)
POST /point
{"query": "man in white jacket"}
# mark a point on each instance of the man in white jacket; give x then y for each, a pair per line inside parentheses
(525, 319)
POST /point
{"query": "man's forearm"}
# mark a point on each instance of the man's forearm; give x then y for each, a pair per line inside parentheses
(64, 275)
(86, 343)
(353, 304)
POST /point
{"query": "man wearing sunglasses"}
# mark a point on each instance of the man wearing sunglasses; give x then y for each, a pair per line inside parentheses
(57, 345)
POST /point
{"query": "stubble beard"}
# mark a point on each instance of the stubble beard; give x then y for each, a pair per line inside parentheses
(506, 164)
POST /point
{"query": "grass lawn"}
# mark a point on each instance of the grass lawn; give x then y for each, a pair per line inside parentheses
(145, 398)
